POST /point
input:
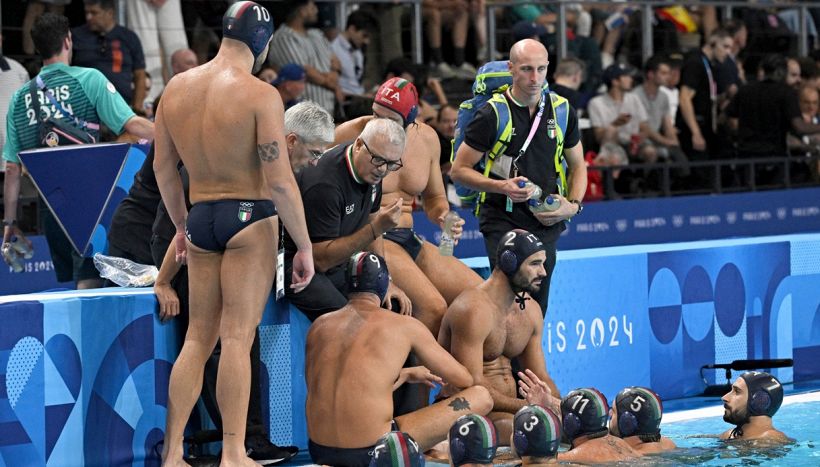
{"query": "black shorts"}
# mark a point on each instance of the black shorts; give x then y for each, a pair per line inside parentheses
(212, 224)
(343, 457)
(407, 239)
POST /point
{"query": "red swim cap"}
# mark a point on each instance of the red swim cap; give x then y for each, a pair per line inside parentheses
(399, 95)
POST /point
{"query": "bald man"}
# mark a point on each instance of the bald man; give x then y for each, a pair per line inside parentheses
(505, 206)
(183, 60)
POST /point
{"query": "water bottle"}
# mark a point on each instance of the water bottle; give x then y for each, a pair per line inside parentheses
(13, 258)
(550, 203)
(22, 248)
(536, 194)
(445, 246)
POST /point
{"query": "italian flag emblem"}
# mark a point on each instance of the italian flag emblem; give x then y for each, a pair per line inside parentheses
(245, 212)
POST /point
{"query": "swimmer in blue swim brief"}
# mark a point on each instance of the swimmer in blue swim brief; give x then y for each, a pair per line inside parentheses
(636, 417)
(750, 404)
(354, 358)
(227, 128)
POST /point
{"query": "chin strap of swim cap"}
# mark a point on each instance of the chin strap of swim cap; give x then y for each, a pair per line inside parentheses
(521, 300)
(737, 432)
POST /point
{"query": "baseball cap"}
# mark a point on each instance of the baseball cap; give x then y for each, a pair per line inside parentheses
(289, 72)
(527, 29)
(615, 71)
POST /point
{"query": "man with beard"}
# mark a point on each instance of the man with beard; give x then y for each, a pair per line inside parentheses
(750, 405)
(483, 331)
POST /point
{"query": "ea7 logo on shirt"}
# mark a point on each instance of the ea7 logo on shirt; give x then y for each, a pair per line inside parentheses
(349, 209)
(245, 212)
(373, 194)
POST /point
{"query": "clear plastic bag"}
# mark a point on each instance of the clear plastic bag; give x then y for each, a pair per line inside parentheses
(125, 272)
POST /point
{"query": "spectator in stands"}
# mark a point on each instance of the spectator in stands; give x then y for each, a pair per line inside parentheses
(793, 77)
(617, 116)
(808, 72)
(809, 105)
(569, 74)
(114, 50)
(159, 26)
(697, 115)
(183, 60)
(417, 74)
(291, 84)
(729, 73)
(661, 131)
(597, 185)
(763, 113)
(267, 74)
(445, 126)
(34, 9)
(454, 13)
(671, 90)
(528, 30)
(348, 49)
(293, 42)
(12, 77)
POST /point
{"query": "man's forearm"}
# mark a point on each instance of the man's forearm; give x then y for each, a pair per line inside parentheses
(141, 127)
(11, 191)
(502, 402)
(291, 211)
(334, 252)
(688, 112)
(471, 178)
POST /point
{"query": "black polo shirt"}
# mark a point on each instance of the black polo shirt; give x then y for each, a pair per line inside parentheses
(336, 205)
(694, 75)
(764, 111)
(537, 164)
(116, 54)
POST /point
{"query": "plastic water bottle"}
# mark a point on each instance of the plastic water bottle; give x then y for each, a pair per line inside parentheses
(445, 246)
(125, 272)
(22, 248)
(536, 194)
(550, 203)
(13, 258)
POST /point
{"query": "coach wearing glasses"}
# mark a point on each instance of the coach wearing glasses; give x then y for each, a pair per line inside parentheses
(342, 195)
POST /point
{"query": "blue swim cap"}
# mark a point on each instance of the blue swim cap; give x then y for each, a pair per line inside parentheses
(396, 449)
(765, 393)
(367, 272)
(585, 412)
(516, 246)
(639, 413)
(536, 432)
(473, 440)
(250, 23)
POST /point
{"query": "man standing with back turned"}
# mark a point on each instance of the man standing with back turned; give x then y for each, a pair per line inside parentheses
(227, 128)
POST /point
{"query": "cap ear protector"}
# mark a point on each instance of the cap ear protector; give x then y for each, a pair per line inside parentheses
(457, 450)
(765, 393)
(627, 424)
(472, 440)
(542, 426)
(508, 262)
(585, 412)
(760, 402)
(571, 425)
(516, 246)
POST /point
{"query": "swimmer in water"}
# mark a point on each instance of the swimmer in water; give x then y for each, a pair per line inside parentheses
(354, 359)
(584, 420)
(536, 435)
(636, 417)
(750, 405)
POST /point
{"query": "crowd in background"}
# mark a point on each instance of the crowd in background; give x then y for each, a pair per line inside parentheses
(718, 88)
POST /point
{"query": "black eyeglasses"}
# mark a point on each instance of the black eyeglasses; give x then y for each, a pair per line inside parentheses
(380, 161)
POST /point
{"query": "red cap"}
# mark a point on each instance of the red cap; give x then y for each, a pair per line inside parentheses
(399, 95)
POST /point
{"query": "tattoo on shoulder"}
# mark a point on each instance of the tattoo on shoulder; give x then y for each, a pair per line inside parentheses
(268, 152)
(459, 403)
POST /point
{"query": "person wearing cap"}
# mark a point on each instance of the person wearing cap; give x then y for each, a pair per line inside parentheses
(290, 82)
(354, 358)
(584, 415)
(489, 325)
(232, 153)
(536, 435)
(528, 30)
(619, 117)
(344, 212)
(750, 404)
(472, 441)
(635, 416)
(397, 449)
(416, 263)
(505, 203)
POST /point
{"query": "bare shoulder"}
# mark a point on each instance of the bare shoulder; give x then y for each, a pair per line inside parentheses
(425, 134)
(775, 436)
(350, 129)
(470, 309)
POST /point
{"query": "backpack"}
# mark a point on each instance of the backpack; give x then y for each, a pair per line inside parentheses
(491, 81)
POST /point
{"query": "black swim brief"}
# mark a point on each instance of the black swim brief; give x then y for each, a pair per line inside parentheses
(407, 239)
(343, 457)
(211, 224)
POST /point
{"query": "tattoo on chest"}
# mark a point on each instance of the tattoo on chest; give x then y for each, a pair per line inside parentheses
(459, 403)
(615, 446)
(268, 152)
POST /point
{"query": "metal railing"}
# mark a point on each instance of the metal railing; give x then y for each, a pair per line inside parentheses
(646, 8)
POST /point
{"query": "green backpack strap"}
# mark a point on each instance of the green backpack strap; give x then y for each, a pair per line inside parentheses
(503, 135)
(560, 110)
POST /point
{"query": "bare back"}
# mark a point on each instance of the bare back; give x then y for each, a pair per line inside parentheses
(600, 450)
(211, 113)
(352, 362)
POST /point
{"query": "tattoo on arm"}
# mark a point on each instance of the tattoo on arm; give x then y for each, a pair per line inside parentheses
(268, 152)
(459, 403)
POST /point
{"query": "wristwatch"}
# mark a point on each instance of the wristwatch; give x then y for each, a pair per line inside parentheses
(580, 205)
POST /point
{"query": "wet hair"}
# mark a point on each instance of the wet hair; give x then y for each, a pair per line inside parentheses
(48, 34)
